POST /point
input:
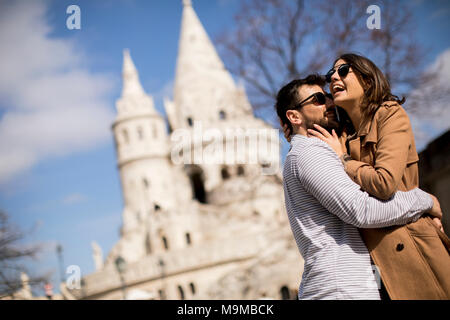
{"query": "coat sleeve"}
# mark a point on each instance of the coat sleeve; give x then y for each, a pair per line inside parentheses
(390, 159)
(322, 175)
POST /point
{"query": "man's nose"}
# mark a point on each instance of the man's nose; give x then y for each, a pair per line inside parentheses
(329, 103)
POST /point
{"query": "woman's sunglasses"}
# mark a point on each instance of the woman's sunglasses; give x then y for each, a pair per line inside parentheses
(319, 98)
(343, 71)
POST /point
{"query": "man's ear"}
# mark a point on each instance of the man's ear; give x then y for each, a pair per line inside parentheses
(294, 117)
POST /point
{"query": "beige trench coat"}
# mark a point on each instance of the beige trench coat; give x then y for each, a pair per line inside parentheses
(413, 260)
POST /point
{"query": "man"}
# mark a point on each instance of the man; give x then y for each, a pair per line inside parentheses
(326, 208)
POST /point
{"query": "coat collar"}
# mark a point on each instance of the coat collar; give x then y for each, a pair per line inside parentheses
(368, 129)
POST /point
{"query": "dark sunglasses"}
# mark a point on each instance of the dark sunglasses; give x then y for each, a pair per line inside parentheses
(319, 99)
(343, 71)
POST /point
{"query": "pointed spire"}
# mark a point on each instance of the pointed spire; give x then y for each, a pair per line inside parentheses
(199, 70)
(134, 100)
(194, 44)
(131, 83)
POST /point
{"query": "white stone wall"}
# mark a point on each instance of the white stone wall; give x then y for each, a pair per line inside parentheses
(241, 246)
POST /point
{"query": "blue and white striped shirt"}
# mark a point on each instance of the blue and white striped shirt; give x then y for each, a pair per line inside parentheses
(325, 208)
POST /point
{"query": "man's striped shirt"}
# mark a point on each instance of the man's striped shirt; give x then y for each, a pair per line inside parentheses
(325, 208)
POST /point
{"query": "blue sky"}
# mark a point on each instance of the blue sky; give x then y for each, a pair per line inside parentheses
(68, 185)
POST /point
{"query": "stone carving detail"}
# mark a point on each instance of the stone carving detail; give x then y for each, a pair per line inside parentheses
(97, 255)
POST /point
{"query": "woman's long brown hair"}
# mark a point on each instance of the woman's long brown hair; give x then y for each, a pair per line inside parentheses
(377, 88)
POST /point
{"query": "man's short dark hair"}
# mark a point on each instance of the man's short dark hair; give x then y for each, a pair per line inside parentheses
(288, 97)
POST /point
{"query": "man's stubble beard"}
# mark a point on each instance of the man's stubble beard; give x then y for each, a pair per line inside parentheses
(325, 123)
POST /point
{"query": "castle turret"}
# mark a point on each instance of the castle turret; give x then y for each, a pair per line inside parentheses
(204, 90)
(143, 159)
(206, 97)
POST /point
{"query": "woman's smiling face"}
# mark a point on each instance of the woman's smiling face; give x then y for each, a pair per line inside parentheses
(345, 89)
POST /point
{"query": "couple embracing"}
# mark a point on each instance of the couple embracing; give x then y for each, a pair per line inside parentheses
(362, 225)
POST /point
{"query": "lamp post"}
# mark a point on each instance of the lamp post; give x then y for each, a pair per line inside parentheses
(59, 250)
(121, 267)
(161, 264)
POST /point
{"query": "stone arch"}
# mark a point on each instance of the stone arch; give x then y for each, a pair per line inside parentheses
(197, 179)
(188, 238)
(125, 136)
(148, 244)
(285, 293)
(192, 287)
(140, 133)
(165, 242)
(181, 292)
(224, 173)
(154, 131)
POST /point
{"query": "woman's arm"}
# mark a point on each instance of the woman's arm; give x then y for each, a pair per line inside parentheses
(390, 159)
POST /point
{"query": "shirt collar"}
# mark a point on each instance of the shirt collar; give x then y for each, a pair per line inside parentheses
(297, 137)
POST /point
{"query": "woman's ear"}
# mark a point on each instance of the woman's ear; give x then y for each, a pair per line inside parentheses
(365, 84)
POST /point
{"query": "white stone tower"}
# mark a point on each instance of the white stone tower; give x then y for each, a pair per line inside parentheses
(195, 230)
(204, 90)
(206, 94)
(142, 147)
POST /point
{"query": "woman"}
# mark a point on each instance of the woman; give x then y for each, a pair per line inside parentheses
(413, 260)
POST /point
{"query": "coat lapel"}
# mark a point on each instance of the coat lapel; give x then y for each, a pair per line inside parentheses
(355, 148)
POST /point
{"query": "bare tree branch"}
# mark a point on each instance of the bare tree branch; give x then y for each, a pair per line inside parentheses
(12, 254)
(275, 41)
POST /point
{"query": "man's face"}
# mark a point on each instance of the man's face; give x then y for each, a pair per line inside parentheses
(315, 113)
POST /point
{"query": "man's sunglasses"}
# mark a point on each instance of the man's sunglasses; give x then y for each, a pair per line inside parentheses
(343, 71)
(319, 98)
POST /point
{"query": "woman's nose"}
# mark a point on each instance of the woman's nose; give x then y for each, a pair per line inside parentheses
(335, 76)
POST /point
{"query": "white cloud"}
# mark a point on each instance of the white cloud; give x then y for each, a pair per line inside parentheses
(74, 198)
(432, 116)
(440, 13)
(51, 104)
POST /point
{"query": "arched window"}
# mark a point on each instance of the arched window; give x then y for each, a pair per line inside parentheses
(157, 207)
(165, 243)
(224, 173)
(189, 120)
(191, 285)
(285, 295)
(145, 183)
(222, 115)
(126, 138)
(188, 238)
(162, 294)
(148, 246)
(196, 177)
(240, 171)
(181, 292)
(140, 133)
